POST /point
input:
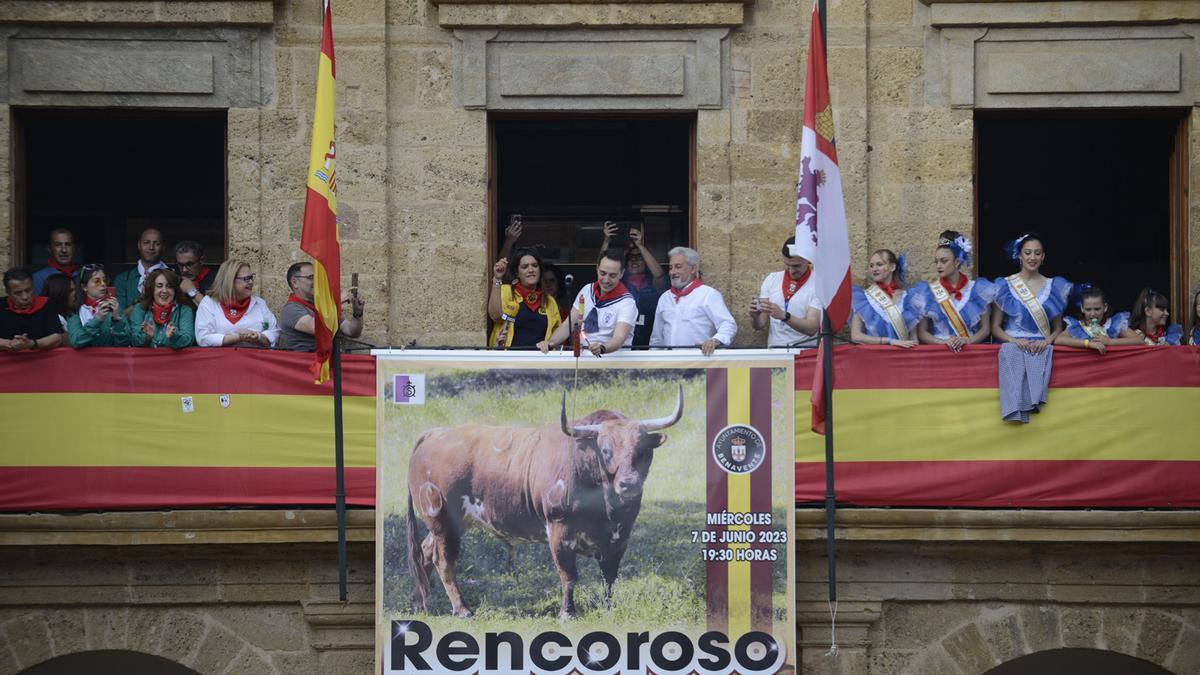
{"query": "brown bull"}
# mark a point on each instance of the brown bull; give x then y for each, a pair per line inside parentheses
(577, 487)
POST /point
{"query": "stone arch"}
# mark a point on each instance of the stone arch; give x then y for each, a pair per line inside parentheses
(109, 661)
(976, 638)
(1077, 660)
(193, 640)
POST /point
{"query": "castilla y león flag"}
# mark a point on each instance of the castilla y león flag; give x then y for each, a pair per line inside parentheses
(820, 211)
(319, 238)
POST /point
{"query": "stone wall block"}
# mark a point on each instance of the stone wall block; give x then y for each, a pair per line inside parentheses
(447, 128)
(909, 624)
(777, 78)
(29, 638)
(295, 662)
(347, 662)
(933, 662)
(969, 650)
(1158, 636)
(201, 12)
(402, 75)
(181, 634)
(1003, 636)
(217, 650)
(1120, 632)
(435, 68)
(284, 125)
(362, 172)
(761, 163)
(440, 175)
(284, 169)
(66, 631)
(774, 126)
(362, 127)
(364, 68)
(1186, 658)
(145, 630)
(713, 205)
(106, 627)
(1040, 626)
(895, 76)
(1080, 627)
(117, 11)
(712, 164)
(8, 660)
(405, 12)
(251, 662)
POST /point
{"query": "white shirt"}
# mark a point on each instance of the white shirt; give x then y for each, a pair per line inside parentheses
(692, 319)
(805, 297)
(622, 311)
(212, 325)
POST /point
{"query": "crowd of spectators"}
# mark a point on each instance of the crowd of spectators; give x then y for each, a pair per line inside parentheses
(156, 303)
(634, 302)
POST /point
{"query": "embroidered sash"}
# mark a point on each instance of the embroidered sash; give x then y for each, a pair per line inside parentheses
(1030, 300)
(889, 309)
(947, 304)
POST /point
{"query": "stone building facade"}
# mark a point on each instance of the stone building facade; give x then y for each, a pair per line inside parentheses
(928, 592)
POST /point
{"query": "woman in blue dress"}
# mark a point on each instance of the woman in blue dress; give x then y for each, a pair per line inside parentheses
(1029, 306)
(879, 304)
(952, 311)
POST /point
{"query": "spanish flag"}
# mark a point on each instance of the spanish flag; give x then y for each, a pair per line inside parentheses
(319, 237)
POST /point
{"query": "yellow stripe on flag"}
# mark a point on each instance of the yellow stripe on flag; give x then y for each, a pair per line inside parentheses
(267, 430)
(1092, 423)
(739, 501)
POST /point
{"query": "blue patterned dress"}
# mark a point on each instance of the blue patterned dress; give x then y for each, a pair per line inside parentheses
(875, 320)
(1112, 327)
(977, 297)
(1018, 322)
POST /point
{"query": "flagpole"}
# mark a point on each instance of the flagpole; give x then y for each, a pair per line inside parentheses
(827, 368)
(340, 462)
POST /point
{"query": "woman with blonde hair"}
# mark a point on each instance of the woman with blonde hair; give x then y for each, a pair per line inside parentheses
(231, 315)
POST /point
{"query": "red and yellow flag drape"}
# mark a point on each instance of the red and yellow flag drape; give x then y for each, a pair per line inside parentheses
(319, 237)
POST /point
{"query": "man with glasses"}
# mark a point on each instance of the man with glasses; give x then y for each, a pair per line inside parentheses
(297, 318)
(195, 278)
(129, 283)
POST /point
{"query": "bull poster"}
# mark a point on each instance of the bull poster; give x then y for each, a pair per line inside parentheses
(546, 514)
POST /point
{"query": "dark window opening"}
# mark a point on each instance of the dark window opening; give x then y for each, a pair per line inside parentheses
(1074, 660)
(109, 662)
(567, 176)
(1099, 188)
(107, 175)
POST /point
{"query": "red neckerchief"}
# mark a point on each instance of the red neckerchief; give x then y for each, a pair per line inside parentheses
(693, 285)
(90, 301)
(39, 301)
(162, 313)
(532, 299)
(235, 310)
(68, 269)
(1157, 334)
(201, 274)
(790, 285)
(636, 282)
(615, 293)
(300, 301)
(956, 289)
(888, 288)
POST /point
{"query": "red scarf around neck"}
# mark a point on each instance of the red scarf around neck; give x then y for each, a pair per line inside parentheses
(1157, 334)
(615, 293)
(300, 301)
(955, 289)
(636, 282)
(39, 301)
(531, 298)
(68, 269)
(235, 310)
(162, 313)
(90, 301)
(890, 289)
(790, 285)
(201, 274)
(693, 285)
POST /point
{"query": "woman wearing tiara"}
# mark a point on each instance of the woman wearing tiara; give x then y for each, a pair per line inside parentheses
(879, 304)
(1029, 306)
(952, 311)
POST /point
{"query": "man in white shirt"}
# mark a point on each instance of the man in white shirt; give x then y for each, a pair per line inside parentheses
(606, 310)
(788, 300)
(691, 313)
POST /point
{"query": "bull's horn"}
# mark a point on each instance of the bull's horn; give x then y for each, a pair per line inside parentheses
(664, 422)
(579, 431)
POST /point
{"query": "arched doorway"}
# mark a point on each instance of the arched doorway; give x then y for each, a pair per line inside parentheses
(109, 662)
(1090, 661)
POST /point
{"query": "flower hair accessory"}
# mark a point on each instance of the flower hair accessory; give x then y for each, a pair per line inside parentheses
(960, 245)
(1077, 292)
(1014, 247)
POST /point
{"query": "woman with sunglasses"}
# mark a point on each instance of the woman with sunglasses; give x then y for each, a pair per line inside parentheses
(231, 315)
(164, 315)
(98, 322)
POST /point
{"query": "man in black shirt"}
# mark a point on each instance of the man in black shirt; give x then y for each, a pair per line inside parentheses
(27, 321)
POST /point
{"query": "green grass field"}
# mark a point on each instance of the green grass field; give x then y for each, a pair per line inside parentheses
(662, 579)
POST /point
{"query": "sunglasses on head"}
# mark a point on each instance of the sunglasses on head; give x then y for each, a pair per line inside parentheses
(88, 270)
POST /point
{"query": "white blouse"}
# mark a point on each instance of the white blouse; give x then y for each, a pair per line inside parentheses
(212, 325)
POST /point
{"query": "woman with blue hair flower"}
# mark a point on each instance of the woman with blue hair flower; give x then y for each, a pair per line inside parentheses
(879, 304)
(954, 310)
(1029, 306)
